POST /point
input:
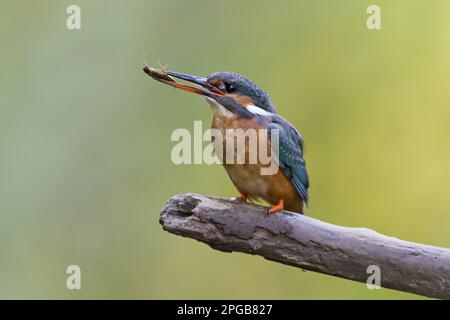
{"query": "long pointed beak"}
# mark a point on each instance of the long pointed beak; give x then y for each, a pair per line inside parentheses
(166, 77)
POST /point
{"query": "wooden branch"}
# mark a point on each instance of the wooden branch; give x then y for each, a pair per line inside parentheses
(310, 244)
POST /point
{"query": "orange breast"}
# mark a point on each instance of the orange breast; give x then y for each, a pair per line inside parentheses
(247, 176)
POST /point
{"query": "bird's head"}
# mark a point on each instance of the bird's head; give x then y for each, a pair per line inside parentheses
(228, 93)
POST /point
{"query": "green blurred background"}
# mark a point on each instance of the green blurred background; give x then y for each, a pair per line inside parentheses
(85, 137)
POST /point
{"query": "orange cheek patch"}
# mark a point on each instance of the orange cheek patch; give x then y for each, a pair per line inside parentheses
(242, 100)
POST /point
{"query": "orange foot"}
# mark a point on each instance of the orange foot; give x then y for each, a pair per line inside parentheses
(276, 208)
(243, 197)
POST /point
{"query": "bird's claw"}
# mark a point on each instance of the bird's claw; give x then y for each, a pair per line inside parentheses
(240, 199)
(279, 207)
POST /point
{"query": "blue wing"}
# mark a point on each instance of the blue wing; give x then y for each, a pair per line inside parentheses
(290, 155)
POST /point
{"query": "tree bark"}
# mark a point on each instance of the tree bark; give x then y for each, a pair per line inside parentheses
(311, 244)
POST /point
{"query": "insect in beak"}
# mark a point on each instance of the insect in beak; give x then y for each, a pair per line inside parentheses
(167, 77)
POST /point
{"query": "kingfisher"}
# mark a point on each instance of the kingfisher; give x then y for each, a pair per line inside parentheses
(238, 103)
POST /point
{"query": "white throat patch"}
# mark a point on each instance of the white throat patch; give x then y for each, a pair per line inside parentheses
(218, 109)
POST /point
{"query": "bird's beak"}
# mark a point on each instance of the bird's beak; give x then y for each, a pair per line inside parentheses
(166, 76)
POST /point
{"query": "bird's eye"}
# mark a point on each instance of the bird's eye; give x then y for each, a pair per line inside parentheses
(229, 88)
